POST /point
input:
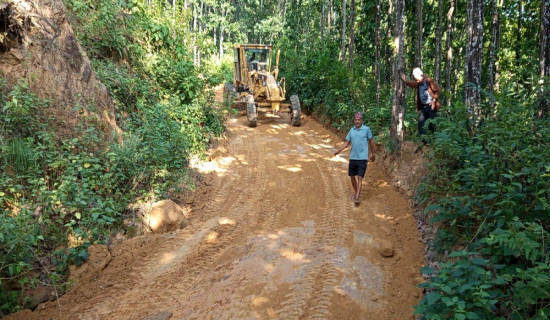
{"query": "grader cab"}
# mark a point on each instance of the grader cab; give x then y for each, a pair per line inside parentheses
(256, 84)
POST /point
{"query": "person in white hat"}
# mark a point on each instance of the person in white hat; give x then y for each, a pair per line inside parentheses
(427, 98)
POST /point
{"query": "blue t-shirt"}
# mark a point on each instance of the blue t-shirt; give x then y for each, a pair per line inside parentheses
(359, 142)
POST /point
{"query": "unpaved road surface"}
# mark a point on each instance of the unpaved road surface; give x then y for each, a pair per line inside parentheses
(273, 235)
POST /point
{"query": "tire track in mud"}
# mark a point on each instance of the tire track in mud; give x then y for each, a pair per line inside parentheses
(320, 303)
(254, 219)
(201, 258)
(310, 297)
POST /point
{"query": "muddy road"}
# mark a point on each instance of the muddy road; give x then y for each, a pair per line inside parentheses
(273, 235)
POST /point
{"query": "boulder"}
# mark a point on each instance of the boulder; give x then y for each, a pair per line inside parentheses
(166, 216)
(31, 298)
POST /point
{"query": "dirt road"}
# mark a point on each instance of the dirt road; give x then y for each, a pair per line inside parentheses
(273, 235)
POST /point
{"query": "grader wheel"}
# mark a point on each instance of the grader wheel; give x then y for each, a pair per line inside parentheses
(251, 111)
(296, 111)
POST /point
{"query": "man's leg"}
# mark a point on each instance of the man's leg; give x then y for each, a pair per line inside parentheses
(354, 184)
(421, 121)
(359, 185)
(431, 115)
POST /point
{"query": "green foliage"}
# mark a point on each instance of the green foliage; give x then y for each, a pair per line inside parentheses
(328, 88)
(507, 278)
(58, 195)
(489, 191)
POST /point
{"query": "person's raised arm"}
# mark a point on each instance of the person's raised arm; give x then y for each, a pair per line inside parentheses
(412, 84)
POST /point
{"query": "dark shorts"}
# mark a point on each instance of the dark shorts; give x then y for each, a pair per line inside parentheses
(357, 168)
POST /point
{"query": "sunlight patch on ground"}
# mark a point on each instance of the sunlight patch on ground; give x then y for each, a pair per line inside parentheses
(218, 166)
(225, 220)
(292, 255)
(382, 183)
(320, 146)
(212, 236)
(338, 159)
(167, 257)
(279, 126)
(383, 216)
(297, 168)
(258, 301)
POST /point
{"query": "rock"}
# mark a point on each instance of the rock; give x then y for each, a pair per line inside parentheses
(166, 216)
(161, 316)
(98, 258)
(386, 248)
(36, 296)
(409, 194)
(190, 200)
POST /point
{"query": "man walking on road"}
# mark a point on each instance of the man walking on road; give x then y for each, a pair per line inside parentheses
(358, 157)
(427, 98)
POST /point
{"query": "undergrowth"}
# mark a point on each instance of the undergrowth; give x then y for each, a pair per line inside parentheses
(59, 195)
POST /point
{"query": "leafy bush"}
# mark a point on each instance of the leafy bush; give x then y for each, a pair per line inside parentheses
(489, 193)
(329, 88)
(59, 195)
(508, 278)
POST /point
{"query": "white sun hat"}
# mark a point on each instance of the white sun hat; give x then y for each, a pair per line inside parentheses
(417, 73)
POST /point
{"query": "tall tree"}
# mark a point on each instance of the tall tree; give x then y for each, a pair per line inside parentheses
(377, 54)
(419, 30)
(474, 48)
(398, 110)
(322, 20)
(449, 55)
(389, 29)
(493, 50)
(343, 34)
(438, 37)
(352, 34)
(518, 33)
(544, 55)
(329, 17)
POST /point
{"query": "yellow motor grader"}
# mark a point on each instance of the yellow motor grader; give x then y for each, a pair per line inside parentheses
(255, 84)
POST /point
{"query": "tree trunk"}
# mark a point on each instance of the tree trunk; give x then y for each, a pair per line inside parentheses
(438, 37)
(418, 53)
(518, 34)
(544, 56)
(398, 110)
(474, 48)
(377, 59)
(389, 60)
(352, 34)
(493, 51)
(449, 45)
(194, 34)
(222, 28)
(343, 36)
(322, 20)
(329, 18)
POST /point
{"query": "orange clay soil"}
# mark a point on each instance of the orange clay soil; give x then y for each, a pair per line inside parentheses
(273, 235)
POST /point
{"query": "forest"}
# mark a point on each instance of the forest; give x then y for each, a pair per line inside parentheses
(488, 186)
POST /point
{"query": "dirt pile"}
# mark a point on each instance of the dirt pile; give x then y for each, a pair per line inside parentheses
(40, 48)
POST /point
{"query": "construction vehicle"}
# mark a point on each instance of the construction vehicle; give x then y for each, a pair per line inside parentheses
(256, 84)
